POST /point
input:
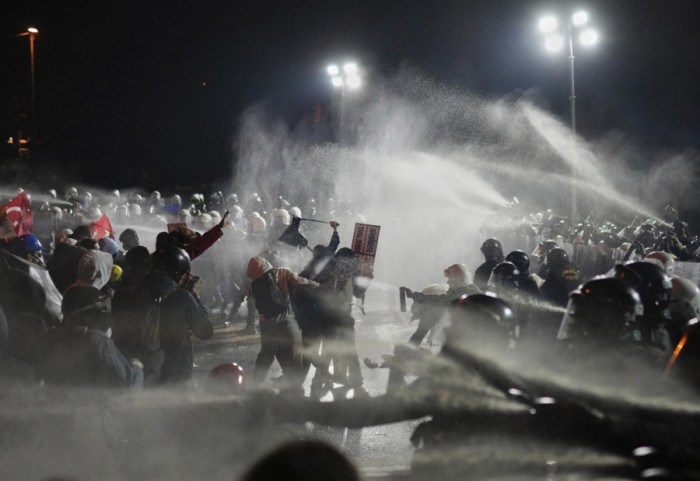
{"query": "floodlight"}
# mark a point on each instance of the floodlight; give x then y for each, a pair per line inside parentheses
(588, 37)
(350, 68)
(548, 24)
(32, 30)
(353, 82)
(337, 81)
(554, 42)
(579, 18)
(333, 70)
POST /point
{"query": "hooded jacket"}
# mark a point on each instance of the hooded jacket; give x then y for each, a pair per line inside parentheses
(257, 266)
(94, 269)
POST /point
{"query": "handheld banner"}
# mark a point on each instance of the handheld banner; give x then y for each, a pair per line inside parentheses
(364, 245)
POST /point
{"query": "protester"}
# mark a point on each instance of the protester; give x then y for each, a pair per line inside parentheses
(279, 332)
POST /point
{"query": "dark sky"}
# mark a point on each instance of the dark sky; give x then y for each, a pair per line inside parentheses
(127, 84)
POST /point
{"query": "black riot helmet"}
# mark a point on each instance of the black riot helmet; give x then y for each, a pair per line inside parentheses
(504, 277)
(653, 285)
(492, 250)
(172, 260)
(489, 314)
(520, 259)
(603, 309)
(556, 257)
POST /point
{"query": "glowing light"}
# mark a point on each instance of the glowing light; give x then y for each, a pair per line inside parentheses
(333, 70)
(337, 81)
(588, 37)
(554, 42)
(32, 30)
(676, 353)
(353, 82)
(548, 24)
(350, 68)
(579, 18)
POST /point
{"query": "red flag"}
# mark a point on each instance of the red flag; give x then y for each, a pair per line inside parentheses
(101, 228)
(16, 217)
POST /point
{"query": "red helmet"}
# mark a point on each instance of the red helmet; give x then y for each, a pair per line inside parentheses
(226, 378)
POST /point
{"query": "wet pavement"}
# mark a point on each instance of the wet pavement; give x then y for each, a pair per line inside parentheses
(377, 451)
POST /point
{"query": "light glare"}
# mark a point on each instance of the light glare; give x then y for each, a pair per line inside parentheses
(579, 18)
(337, 81)
(333, 70)
(554, 42)
(548, 24)
(350, 68)
(32, 30)
(353, 82)
(588, 37)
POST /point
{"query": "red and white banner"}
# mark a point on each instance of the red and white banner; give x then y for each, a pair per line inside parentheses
(364, 245)
(102, 228)
(16, 217)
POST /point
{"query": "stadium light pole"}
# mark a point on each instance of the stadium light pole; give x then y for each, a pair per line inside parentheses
(344, 79)
(555, 40)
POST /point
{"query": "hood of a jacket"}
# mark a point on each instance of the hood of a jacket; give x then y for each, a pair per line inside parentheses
(257, 266)
(94, 269)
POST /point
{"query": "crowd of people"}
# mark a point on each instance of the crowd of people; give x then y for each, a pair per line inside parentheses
(85, 304)
(112, 310)
(124, 312)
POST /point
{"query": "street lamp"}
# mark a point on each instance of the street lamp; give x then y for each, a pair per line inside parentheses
(555, 40)
(32, 32)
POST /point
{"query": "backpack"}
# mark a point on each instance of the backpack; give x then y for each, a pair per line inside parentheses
(270, 300)
(149, 336)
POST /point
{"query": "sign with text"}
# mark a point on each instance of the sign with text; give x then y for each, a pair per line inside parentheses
(364, 245)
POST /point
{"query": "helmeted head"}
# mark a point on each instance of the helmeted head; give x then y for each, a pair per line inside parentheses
(685, 300)
(171, 260)
(280, 217)
(520, 259)
(653, 285)
(505, 278)
(458, 275)
(29, 247)
(256, 223)
(604, 310)
(492, 250)
(484, 317)
(227, 378)
(556, 258)
(662, 259)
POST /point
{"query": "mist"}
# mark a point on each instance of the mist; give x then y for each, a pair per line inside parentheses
(437, 168)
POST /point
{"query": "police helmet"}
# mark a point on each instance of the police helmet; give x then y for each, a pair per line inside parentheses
(653, 285)
(492, 249)
(171, 259)
(520, 259)
(604, 309)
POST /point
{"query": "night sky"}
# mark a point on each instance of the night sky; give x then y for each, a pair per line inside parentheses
(159, 86)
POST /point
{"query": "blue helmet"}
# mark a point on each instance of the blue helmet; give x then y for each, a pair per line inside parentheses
(26, 243)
